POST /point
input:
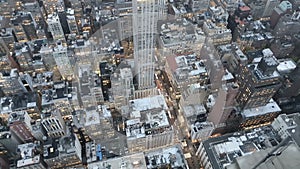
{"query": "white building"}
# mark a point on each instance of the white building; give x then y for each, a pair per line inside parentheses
(148, 127)
(54, 126)
(55, 27)
(285, 124)
(133, 161)
(62, 61)
(200, 131)
(72, 21)
(145, 17)
(179, 35)
(30, 159)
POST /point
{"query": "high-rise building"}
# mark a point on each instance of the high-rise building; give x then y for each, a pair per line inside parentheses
(62, 61)
(54, 126)
(89, 86)
(124, 9)
(72, 24)
(24, 26)
(288, 25)
(283, 8)
(145, 17)
(122, 87)
(258, 82)
(271, 4)
(55, 27)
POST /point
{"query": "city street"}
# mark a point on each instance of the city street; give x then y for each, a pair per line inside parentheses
(177, 119)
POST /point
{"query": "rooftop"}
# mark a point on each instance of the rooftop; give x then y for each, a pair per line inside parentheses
(184, 67)
(110, 41)
(53, 18)
(134, 161)
(291, 120)
(175, 32)
(259, 74)
(211, 29)
(135, 129)
(65, 145)
(148, 103)
(288, 125)
(125, 73)
(227, 76)
(211, 101)
(285, 5)
(202, 126)
(244, 8)
(192, 110)
(223, 150)
(50, 148)
(155, 119)
(270, 107)
(146, 123)
(28, 155)
(57, 92)
(21, 101)
(21, 129)
(288, 158)
(18, 116)
(147, 115)
(286, 65)
(161, 158)
(92, 118)
(42, 79)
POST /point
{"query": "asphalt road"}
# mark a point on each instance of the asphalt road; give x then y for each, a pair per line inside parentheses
(178, 120)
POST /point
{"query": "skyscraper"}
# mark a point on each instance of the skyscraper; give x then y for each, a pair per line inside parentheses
(146, 15)
(258, 82)
(271, 4)
(55, 27)
(61, 58)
